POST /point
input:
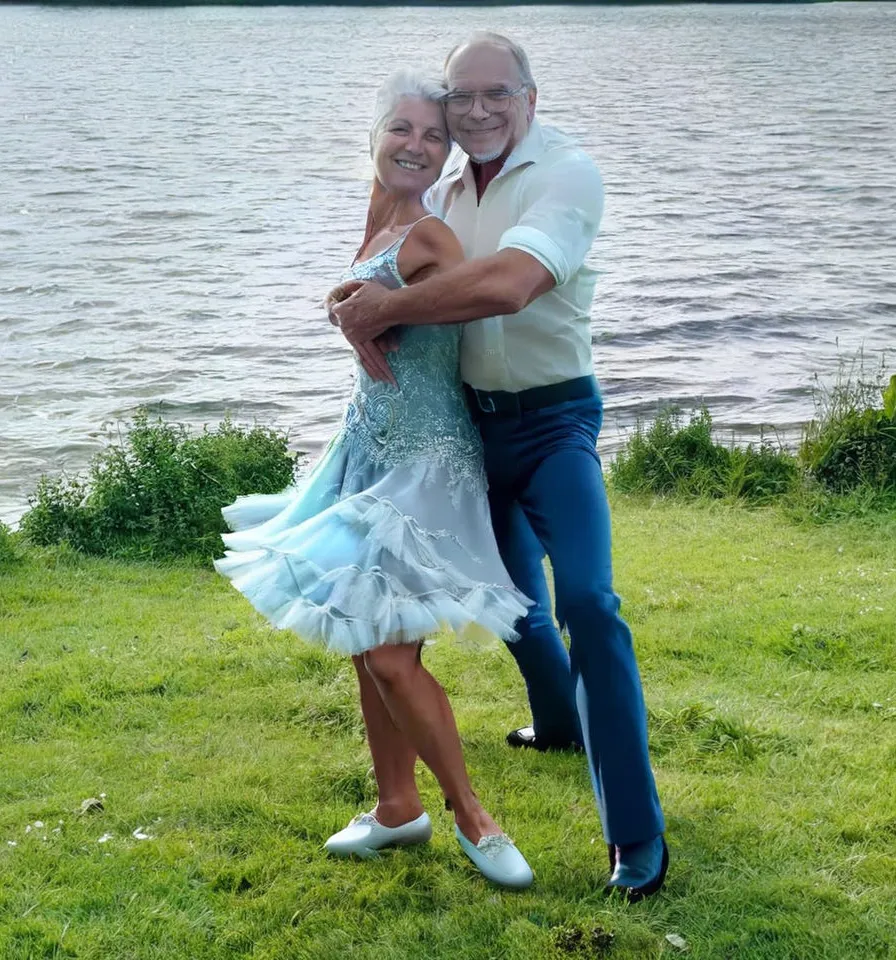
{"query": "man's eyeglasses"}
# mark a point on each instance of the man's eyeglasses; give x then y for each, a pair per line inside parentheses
(494, 101)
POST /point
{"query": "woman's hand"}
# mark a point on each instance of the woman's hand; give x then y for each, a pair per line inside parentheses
(339, 293)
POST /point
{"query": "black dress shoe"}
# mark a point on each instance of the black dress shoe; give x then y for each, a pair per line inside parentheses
(634, 894)
(525, 737)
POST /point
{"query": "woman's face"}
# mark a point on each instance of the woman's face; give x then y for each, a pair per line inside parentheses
(410, 152)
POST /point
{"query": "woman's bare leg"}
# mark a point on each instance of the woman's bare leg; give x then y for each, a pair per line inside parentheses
(421, 711)
(394, 757)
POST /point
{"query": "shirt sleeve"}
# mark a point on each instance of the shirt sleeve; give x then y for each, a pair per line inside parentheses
(562, 207)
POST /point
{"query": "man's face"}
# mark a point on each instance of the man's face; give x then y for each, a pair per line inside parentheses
(486, 133)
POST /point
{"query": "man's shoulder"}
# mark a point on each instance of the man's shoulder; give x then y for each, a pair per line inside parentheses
(563, 168)
(563, 175)
(561, 148)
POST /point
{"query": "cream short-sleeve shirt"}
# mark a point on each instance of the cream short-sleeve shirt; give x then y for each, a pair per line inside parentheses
(547, 201)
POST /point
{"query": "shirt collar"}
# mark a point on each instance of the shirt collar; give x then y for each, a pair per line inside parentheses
(528, 150)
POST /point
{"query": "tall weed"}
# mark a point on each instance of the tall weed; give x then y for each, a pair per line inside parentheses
(670, 457)
(851, 445)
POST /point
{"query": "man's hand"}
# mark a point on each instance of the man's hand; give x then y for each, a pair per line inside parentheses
(373, 359)
(360, 314)
(371, 353)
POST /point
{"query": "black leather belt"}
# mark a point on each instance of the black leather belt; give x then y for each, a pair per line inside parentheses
(502, 403)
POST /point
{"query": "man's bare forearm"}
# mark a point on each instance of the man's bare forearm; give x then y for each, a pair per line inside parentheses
(491, 286)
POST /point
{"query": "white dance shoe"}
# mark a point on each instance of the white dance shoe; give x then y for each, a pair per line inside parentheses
(365, 835)
(498, 860)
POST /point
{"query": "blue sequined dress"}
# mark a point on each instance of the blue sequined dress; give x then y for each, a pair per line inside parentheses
(389, 538)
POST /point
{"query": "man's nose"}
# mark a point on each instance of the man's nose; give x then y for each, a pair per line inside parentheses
(477, 111)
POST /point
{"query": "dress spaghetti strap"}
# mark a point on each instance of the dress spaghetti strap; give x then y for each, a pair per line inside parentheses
(398, 241)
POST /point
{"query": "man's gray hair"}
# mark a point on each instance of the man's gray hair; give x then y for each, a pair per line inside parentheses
(488, 38)
(404, 82)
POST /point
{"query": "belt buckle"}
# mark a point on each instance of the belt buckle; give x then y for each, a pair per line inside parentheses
(491, 408)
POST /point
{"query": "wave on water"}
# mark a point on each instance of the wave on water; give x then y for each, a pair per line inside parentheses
(172, 224)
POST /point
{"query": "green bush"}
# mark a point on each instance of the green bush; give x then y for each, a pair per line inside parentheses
(9, 551)
(672, 458)
(159, 491)
(852, 444)
(669, 458)
(761, 474)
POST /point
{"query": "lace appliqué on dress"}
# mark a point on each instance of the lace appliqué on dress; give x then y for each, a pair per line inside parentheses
(425, 419)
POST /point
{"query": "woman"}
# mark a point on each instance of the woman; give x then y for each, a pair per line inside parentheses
(389, 538)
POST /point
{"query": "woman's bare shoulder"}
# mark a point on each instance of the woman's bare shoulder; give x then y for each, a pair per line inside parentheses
(433, 247)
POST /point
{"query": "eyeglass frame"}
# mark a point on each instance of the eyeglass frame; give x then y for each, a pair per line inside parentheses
(510, 94)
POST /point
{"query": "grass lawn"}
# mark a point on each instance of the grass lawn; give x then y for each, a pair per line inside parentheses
(768, 652)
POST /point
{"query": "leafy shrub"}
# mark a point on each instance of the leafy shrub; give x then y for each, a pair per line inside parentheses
(9, 551)
(667, 457)
(852, 444)
(672, 458)
(159, 491)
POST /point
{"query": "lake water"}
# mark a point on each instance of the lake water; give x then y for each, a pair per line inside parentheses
(180, 187)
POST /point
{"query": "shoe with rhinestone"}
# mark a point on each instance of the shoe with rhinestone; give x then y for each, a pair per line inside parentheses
(497, 859)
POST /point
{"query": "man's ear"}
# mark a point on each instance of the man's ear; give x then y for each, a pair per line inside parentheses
(530, 111)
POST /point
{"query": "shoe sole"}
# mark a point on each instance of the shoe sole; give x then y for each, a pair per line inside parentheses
(362, 853)
(545, 747)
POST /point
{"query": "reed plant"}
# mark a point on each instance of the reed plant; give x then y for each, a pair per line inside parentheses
(852, 443)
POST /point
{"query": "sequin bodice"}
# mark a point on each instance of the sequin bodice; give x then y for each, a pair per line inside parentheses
(425, 417)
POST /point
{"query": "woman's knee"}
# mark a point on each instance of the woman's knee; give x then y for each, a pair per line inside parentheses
(392, 665)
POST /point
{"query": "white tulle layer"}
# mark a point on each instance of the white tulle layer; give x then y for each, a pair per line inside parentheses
(394, 562)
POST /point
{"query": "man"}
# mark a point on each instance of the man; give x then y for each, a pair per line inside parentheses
(526, 204)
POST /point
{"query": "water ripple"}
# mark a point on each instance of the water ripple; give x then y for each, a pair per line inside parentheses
(171, 218)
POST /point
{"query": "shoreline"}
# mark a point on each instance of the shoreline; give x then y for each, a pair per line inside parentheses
(13, 507)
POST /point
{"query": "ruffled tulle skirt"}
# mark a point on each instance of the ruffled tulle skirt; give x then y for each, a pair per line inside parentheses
(353, 559)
